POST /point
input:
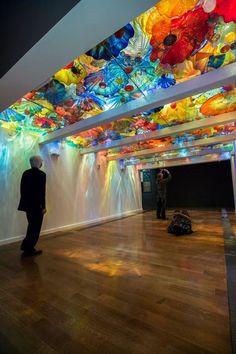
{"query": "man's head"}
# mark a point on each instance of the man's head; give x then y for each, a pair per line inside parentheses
(36, 161)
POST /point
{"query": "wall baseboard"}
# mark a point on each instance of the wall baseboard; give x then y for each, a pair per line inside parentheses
(9, 240)
(82, 224)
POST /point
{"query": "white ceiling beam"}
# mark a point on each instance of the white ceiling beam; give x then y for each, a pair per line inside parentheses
(182, 162)
(213, 79)
(83, 27)
(200, 142)
(170, 131)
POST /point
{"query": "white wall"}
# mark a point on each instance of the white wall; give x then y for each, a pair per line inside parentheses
(80, 189)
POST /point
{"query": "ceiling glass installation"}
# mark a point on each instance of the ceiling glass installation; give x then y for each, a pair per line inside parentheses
(210, 103)
(175, 141)
(182, 153)
(189, 159)
(172, 42)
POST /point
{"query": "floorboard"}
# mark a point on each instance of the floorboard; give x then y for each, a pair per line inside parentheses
(122, 287)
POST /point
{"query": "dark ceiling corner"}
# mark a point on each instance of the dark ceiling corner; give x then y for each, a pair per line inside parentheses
(24, 22)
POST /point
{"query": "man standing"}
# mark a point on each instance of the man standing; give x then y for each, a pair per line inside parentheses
(32, 201)
(163, 177)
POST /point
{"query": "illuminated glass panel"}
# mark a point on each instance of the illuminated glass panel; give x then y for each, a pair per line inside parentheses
(210, 103)
(173, 41)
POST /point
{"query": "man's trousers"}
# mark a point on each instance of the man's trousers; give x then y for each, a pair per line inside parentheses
(35, 219)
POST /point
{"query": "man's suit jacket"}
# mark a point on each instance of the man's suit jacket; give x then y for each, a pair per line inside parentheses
(32, 190)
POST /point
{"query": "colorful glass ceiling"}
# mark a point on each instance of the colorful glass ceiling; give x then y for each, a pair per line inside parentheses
(182, 153)
(174, 41)
(210, 103)
(177, 140)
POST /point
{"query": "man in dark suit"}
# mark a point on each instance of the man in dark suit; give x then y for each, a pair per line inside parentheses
(32, 201)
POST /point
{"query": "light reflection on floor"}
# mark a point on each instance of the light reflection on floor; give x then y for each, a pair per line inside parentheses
(112, 267)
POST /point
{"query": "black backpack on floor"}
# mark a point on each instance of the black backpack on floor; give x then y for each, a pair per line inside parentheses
(181, 223)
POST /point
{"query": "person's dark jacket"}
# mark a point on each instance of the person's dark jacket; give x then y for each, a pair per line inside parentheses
(32, 190)
(161, 185)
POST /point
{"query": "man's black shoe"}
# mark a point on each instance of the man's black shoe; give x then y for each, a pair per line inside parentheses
(31, 253)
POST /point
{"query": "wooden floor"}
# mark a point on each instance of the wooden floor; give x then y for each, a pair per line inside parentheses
(118, 288)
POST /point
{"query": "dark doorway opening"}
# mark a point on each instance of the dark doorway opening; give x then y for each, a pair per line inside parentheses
(206, 185)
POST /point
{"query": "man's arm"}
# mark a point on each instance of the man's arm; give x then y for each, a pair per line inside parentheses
(168, 178)
(43, 192)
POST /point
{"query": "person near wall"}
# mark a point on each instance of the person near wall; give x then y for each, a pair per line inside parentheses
(163, 177)
(32, 202)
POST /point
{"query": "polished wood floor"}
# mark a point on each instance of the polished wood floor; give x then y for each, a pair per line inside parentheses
(118, 288)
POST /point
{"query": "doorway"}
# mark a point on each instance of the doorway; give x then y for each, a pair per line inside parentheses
(205, 185)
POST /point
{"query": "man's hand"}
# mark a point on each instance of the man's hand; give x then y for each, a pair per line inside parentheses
(44, 211)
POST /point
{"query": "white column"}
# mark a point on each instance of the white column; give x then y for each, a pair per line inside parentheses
(233, 171)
